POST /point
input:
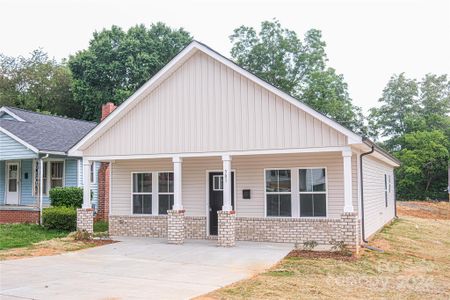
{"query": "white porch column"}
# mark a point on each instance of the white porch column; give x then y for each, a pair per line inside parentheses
(226, 183)
(86, 183)
(177, 183)
(347, 158)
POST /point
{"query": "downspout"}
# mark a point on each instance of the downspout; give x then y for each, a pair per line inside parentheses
(41, 186)
(362, 191)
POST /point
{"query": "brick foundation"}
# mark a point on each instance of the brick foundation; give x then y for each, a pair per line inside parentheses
(231, 228)
(103, 192)
(19, 216)
(195, 228)
(350, 231)
(299, 230)
(144, 226)
(226, 229)
(85, 219)
(175, 226)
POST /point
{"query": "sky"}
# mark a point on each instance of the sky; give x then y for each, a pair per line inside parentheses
(367, 41)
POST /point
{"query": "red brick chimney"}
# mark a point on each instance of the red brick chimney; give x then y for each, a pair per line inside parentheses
(103, 175)
(107, 109)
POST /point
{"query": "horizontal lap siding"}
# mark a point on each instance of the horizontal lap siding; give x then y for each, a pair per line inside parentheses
(26, 185)
(375, 212)
(11, 149)
(249, 175)
(205, 106)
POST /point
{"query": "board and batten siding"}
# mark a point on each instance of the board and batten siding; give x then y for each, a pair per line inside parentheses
(249, 174)
(205, 106)
(11, 149)
(376, 214)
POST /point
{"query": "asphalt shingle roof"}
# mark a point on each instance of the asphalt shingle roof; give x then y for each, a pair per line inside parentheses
(45, 132)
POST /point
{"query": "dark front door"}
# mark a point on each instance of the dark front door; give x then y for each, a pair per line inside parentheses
(216, 198)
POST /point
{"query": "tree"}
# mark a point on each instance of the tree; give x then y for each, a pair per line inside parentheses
(117, 63)
(37, 83)
(297, 67)
(424, 157)
(414, 120)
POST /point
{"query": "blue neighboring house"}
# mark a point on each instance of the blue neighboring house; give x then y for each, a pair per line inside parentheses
(28, 138)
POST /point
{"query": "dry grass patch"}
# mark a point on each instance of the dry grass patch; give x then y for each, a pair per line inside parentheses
(50, 247)
(415, 265)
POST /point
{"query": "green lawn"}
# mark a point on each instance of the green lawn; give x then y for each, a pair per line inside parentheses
(23, 235)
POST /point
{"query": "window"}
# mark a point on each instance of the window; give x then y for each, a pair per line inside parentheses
(313, 192)
(142, 193)
(218, 183)
(44, 179)
(278, 193)
(92, 172)
(165, 192)
(56, 174)
(385, 190)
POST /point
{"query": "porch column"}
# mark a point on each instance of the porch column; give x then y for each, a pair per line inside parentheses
(347, 158)
(85, 215)
(87, 183)
(226, 217)
(227, 183)
(177, 183)
(175, 216)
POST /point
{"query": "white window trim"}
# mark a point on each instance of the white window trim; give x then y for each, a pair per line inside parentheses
(278, 193)
(220, 183)
(92, 170)
(162, 193)
(325, 192)
(155, 193)
(48, 173)
(295, 192)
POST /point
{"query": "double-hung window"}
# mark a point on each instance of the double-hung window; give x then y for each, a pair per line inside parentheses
(44, 178)
(165, 192)
(278, 193)
(313, 192)
(56, 174)
(142, 193)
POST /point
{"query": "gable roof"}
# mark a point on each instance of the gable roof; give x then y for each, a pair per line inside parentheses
(43, 133)
(173, 65)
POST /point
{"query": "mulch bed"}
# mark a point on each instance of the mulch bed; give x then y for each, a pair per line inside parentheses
(321, 254)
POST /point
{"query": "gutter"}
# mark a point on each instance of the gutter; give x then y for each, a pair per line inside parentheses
(362, 191)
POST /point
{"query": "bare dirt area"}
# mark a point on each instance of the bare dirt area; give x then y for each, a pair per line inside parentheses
(51, 247)
(439, 210)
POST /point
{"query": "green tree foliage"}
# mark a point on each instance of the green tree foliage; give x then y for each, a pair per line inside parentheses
(414, 120)
(298, 67)
(37, 83)
(118, 62)
(424, 158)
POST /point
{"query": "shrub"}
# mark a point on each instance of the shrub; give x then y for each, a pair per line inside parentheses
(100, 226)
(82, 235)
(309, 245)
(60, 217)
(340, 247)
(66, 196)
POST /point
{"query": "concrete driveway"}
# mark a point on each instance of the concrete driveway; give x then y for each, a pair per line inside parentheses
(136, 268)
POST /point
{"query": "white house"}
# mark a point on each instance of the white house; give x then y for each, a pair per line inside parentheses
(205, 148)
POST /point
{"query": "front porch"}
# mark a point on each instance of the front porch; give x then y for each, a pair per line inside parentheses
(273, 197)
